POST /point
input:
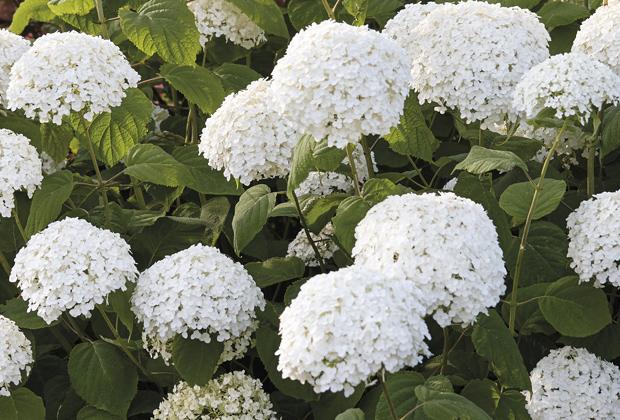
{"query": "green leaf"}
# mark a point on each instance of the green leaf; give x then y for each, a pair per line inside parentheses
(383, 10)
(102, 375)
(92, 413)
(437, 405)
(575, 310)
(605, 343)
(276, 270)
(493, 341)
(529, 319)
(610, 138)
(400, 388)
(318, 210)
(195, 360)
(22, 404)
(523, 147)
(28, 10)
(236, 77)
(16, 310)
(71, 7)
(55, 140)
(481, 160)
(114, 133)
(117, 219)
(214, 213)
(266, 14)
(524, 4)
(349, 213)
(251, 214)
(304, 12)
(412, 136)
(199, 85)
(165, 27)
(484, 393)
(47, 201)
(331, 404)
(517, 198)
(151, 163)
(511, 405)
(555, 13)
(351, 414)
(120, 301)
(358, 9)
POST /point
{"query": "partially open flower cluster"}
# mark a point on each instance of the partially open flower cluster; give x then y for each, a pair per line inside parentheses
(71, 266)
(479, 81)
(444, 244)
(68, 72)
(12, 47)
(232, 396)
(599, 37)
(594, 246)
(331, 341)
(250, 145)
(301, 248)
(571, 84)
(198, 293)
(222, 18)
(20, 169)
(15, 355)
(340, 82)
(571, 383)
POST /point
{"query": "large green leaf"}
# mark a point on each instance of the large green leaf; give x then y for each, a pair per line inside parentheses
(47, 201)
(438, 405)
(102, 375)
(22, 404)
(555, 13)
(331, 404)
(493, 341)
(265, 13)
(28, 10)
(400, 388)
(195, 360)
(358, 9)
(114, 133)
(236, 77)
(516, 199)
(199, 85)
(165, 27)
(481, 160)
(575, 310)
(151, 163)
(55, 140)
(304, 12)
(276, 270)
(351, 414)
(486, 394)
(16, 310)
(71, 7)
(251, 214)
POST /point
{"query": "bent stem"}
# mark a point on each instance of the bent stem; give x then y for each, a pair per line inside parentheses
(329, 10)
(93, 158)
(101, 17)
(526, 230)
(20, 227)
(387, 395)
(591, 159)
(368, 157)
(444, 353)
(356, 179)
(302, 221)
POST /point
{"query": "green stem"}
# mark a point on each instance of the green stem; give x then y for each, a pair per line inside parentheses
(20, 227)
(189, 125)
(329, 10)
(368, 157)
(387, 395)
(356, 180)
(138, 193)
(302, 221)
(93, 158)
(5, 264)
(444, 353)
(591, 159)
(419, 171)
(101, 17)
(526, 230)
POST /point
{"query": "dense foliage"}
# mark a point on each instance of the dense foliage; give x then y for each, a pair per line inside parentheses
(257, 209)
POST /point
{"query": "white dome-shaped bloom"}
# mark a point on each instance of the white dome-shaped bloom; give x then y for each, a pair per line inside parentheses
(340, 82)
(68, 72)
(444, 244)
(246, 138)
(571, 383)
(20, 169)
(599, 37)
(571, 84)
(345, 326)
(231, 396)
(613, 2)
(222, 18)
(12, 47)
(301, 248)
(198, 293)
(15, 355)
(594, 239)
(71, 266)
(469, 56)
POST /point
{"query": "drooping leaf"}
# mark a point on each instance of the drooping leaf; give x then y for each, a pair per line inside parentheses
(151, 163)
(199, 85)
(276, 270)
(195, 360)
(251, 214)
(47, 201)
(437, 405)
(516, 199)
(481, 160)
(266, 14)
(22, 404)
(555, 13)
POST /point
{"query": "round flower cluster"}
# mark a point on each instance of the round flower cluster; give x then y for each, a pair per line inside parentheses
(571, 383)
(340, 82)
(69, 72)
(249, 145)
(479, 81)
(594, 245)
(15, 355)
(197, 293)
(222, 18)
(71, 266)
(301, 248)
(571, 84)
(444, 244)
(599, 37)
(20, 168)
(232, 396)
(12, 47)
(330, 340)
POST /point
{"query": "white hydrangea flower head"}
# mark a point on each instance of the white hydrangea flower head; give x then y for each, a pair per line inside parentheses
(301, 248)
(216, 18)
(332, 340)
(20, 169)
(443, 244)
(68, 72)
(15, 355)
(571, 383)
(572, 84)
(613, 2)
(197, 293)
(12, 47)
(594, 243)
(479, 81)
(599, 37)
(71, 266)
(339, 82)
(231, 396)
(49, 165)
(250, 145)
